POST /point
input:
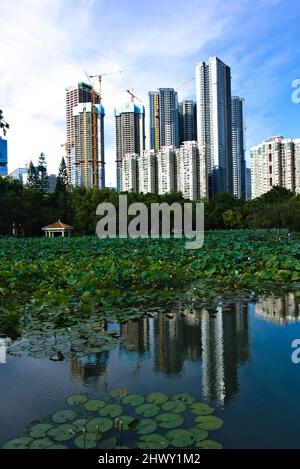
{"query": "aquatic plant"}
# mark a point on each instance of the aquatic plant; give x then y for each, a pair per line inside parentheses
(118, 422)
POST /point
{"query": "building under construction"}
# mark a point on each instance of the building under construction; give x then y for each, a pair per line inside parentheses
(130, 133)
(85, 137)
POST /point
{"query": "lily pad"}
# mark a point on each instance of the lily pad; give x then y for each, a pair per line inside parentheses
(63, 433)
(174, 406)
(41, 443)
(153, 441)
(111, 410)
(181, 438)
(17, 443)
(209, 444)
(209, 422)
(87, 440)
(133, 399)
(199, 408)
(126, 421)
(118, 393)
(103, 423)
(77, 399)
(186, 397)
(63, 416)
(157, 398)
(147, 410)
(40, 430)
(199, 434)
(169, 420)
(145, 426)
(80, 423)
(94, 404)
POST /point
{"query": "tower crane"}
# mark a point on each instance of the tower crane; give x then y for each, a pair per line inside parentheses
(133, 97)
(94, 126)
(186, 82)
(100, 79)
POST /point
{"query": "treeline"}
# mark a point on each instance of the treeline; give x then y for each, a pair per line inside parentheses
(25, 210)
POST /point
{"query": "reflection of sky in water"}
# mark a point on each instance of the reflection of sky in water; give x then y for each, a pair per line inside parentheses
(236, 357)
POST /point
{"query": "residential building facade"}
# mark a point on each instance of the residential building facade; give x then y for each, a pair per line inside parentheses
(163, 118)
(187, 121)
(85, 158)
(275, 162)
(238, 147)
(166, 169)
(147, 172)
(188, 166)
(214, 129)
(130, 133)
(129, 173)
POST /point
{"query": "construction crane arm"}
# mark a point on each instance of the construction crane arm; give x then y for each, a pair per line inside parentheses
(186, 82)
(133, 97)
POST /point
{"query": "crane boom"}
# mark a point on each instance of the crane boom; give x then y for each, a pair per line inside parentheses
(133, 97)
(186, 82)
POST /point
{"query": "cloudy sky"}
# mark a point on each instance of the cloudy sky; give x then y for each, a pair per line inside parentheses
(46, 45)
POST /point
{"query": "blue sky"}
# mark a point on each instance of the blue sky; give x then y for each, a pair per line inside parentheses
(47, 44)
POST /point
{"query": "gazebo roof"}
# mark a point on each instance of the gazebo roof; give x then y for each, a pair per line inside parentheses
(57, 225)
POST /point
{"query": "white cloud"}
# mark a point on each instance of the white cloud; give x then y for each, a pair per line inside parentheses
(47, 44)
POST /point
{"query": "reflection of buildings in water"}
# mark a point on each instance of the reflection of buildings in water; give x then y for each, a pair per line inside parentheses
(225, 344)
(135, 335)
(176, 339)
(280, 310)
(89, 366)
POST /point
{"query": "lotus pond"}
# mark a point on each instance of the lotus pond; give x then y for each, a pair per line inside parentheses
(120, 343)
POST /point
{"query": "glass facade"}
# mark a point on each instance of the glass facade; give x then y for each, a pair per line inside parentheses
(3, 157)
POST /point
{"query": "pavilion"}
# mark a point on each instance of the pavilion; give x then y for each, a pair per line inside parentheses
(57, 229)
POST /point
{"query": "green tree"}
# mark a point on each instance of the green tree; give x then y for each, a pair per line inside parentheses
(62, 178)
(32, 177)
(42, 174)
(232, 219)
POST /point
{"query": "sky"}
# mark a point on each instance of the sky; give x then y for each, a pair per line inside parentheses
(46, 45)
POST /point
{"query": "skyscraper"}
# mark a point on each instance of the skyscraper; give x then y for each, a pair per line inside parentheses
(88, 121)
(130, 133)
(163, 106)
(85, 136)
(213, 99)
(154, 120)
(3, 157)
(275, 162)
(187, 121)
(238, 147)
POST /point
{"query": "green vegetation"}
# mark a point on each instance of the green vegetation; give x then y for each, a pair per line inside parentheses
(58, 283)
(121, 424)
(25, 210)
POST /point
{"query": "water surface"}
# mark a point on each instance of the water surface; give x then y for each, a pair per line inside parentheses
(237, 358)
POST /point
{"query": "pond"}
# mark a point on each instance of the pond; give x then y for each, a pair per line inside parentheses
(236, 358)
